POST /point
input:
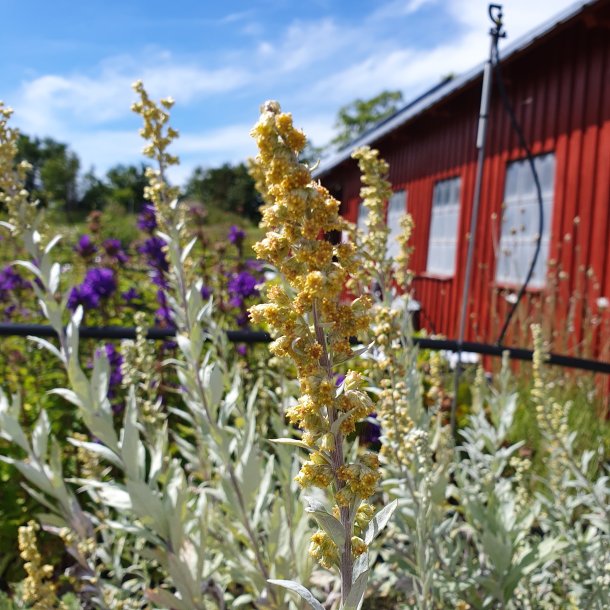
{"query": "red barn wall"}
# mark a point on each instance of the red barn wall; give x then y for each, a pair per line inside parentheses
(560, 90)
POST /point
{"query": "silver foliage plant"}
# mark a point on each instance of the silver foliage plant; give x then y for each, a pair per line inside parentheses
(475, 527)
(206, 519)
(173, 522)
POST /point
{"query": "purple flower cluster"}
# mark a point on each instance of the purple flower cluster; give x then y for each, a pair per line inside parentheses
(99, 283)
(130, 295)
(153, 251)
(147, 219)
(253, 265)
(85, 247)
(114, 250)
(241, 286)
(236, 235)
(10, 281)
(116, 376)
(164, 315)
(369, 431)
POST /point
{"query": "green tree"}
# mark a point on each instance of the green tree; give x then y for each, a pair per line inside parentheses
(53, 178)
(125, 184)
(360, 115)
(59, 177)
(228, 188)
(95, 192)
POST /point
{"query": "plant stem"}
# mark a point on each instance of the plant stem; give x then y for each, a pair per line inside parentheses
(346, 561)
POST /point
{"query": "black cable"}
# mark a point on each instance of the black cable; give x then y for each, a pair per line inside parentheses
(528, 153)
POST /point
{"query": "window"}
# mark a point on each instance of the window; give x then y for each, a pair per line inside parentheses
(397, 208)
(520, 221)
(363, 213)
(444, 227)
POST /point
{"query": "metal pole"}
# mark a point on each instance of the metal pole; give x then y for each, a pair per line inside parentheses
(495, 14)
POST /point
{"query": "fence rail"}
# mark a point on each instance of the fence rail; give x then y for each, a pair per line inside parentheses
(254, 336)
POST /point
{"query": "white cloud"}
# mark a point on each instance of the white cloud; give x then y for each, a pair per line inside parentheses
(411, 69)
(303, 45)
(407, 69)
(47, 102)
(313, 67)
(394, 8)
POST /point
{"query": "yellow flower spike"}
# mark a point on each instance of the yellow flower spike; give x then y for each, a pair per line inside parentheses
(159, 137)
(39, 592)
(314, 326)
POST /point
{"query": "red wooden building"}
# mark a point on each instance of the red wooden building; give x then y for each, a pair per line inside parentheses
(558, 80)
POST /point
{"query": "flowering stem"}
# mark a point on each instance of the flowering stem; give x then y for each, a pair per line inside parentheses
(162, 194)
(346, 562)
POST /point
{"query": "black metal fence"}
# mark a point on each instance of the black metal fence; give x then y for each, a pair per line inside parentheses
(253, 336)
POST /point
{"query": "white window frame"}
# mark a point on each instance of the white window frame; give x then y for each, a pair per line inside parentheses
(444, 223)
(397, 208)
(363, 214)
(520, 224)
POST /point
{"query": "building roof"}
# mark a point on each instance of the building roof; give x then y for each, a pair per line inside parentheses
(447, 87)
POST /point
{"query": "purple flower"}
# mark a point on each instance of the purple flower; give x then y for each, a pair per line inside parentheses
(130, 295)
(85, 247)
(242, 349)
(370, 432)
(115, 250)
(10, 280)
(116, 360)
(236, 301)
(99, 283)
(83, 295)
(236, 235)
(152, 249)
(253, 265)
(242, 284)
(9, 311)
(147, 219)
(159, 279)
(101, 280)
(242, 320)
(164, 316)
(206, 292)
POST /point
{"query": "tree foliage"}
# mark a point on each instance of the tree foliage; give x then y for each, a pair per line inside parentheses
(228, 187)
(360, 115)
(53, 178)
(126, 185)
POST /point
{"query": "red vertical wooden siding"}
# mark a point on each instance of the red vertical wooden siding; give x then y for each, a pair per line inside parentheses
(560, 89)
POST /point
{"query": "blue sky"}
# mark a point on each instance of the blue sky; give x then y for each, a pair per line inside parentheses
(68, 65)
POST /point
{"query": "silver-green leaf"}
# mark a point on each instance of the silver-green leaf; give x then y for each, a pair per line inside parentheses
(306, 594)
